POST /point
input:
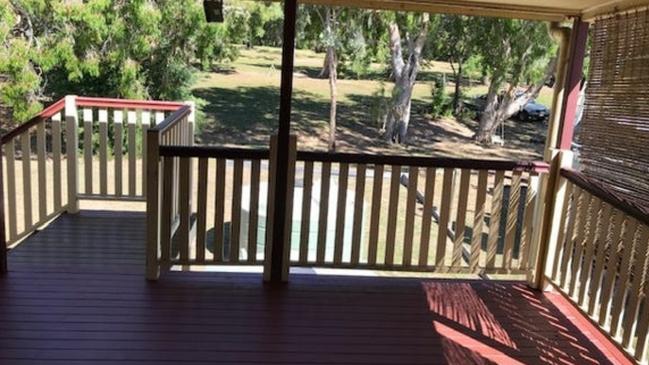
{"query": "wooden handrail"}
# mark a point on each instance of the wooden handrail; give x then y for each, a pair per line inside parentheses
(48, 112)
(476, 164)
(128, 104)
(84, 101)
(601, 191)
(214, 152)
(172, 119)
(260, 154)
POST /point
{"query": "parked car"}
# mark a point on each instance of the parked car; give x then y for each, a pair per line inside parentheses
(532, 111)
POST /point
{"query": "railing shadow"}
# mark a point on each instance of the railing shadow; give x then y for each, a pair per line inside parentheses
(504, 323)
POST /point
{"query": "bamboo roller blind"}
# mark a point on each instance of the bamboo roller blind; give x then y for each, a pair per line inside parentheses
(615, 125)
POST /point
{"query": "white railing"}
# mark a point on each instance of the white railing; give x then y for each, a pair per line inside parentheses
(346, 211)
(77, 148)
(601, 260)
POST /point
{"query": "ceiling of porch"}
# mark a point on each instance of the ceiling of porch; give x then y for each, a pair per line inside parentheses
(550, 10)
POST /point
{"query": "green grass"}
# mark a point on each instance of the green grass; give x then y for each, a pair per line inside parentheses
(238, 104)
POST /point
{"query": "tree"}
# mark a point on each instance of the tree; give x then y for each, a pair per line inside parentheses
(331, 26)
(512, 52)
(455, 42)
(130, 49)
(343, 46)
(405, 67)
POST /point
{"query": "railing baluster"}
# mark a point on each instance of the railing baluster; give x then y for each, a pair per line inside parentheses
(324, 212)
(411, 200)
(132, 151)
(444, 217)
(87, 149)
(494, 219)
(307, 188)
(357, 225)
(201, 213)
(184, 197)
(146, 121)
(642, 327)
(628, 245)
(42, 171)
(166, 216)
(219, 205)
(235, 225)
(478, 220)
(576, 205)
(589, 250)
(25, 149)
(611, 267)
(103, 152)
(393, 209)
(343, 173)
(528, 230)
(253, 220)
(566, 215)
(118, 119)
(511, 220)
(56, 162)
(576, 262)
(460, 220)
(427, 216)
(10, 153)
(375, 214)
(604, 246)
(640, 266)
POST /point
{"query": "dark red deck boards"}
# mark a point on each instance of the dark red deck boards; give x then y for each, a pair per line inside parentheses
(76, 294)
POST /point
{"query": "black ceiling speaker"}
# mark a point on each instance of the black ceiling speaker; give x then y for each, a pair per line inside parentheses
(213, 11)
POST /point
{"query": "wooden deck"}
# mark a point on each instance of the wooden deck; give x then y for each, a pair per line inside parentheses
(76, 294)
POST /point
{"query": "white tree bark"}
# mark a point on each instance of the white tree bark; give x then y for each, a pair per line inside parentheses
(405, 75)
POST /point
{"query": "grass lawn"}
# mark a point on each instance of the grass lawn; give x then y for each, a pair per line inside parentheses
(239, 105)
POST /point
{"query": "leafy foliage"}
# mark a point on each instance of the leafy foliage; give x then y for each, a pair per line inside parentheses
(129, 49)
(440, 101)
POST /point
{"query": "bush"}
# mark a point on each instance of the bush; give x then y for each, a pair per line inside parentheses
(441, 102)
(379, 106)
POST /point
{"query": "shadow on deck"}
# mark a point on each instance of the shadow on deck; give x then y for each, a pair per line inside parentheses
(76, 293)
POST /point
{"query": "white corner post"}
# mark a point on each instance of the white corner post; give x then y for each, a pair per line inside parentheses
(191, 130)
(191, 121)
(558, 148)
(553, 207)
(71, 148)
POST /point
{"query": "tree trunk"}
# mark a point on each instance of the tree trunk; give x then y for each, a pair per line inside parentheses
(457, 94)
(498, 111)
(405, 76)
(326, 65)
(489, 116)
(333, 78)
(332, 73)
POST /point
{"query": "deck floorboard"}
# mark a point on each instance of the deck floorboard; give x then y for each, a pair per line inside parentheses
(76, 294)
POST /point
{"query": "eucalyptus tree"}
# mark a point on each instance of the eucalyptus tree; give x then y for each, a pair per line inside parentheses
(346, 37)
(408, 34)
(517, 55)
(454, 41)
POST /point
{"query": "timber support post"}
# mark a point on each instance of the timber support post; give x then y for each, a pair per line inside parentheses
(274, 271)
(71, 146)
(558, 146)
